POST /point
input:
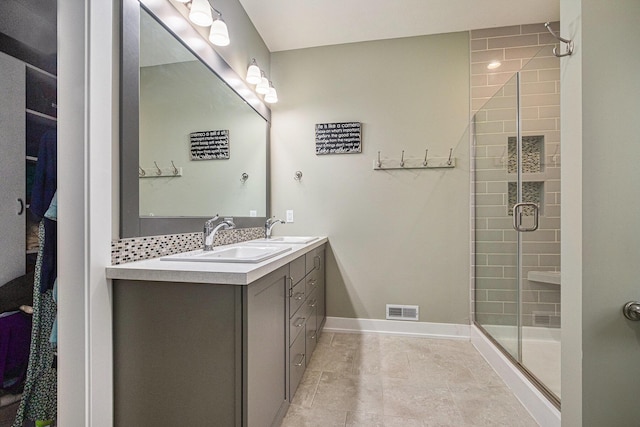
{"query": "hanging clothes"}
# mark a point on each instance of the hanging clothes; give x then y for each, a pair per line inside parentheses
(44, 188)
(39, 397)
(40, 394)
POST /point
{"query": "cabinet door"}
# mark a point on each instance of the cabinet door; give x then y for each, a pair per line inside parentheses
(321, 288)
(266, 349)
(12, 168)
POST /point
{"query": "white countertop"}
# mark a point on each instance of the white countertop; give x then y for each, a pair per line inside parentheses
(208, 272)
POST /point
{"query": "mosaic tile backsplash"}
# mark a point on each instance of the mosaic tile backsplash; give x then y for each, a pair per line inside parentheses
(141, 248)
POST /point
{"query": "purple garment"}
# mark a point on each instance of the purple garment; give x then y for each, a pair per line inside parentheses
(15, 339)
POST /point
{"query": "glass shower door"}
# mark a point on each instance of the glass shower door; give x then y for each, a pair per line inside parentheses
(496, 294)
(517, 220)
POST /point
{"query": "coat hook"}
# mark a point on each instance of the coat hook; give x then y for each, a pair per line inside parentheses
(379, 162)
(244, 177)
(142, 172)
(425, 157)
(450, 152)
(563, 40)
(298, 175)
(402, 159)
(159, 171)
(175, 169)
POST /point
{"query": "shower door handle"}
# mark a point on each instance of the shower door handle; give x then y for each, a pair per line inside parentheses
(517, 217)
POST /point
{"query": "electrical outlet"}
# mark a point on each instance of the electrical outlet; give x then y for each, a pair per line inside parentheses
(253, 213)
(290, 215)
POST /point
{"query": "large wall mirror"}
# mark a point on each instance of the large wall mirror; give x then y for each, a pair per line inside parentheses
(191, 146)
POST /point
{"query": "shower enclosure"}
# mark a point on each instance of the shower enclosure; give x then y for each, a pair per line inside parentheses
(516, 180)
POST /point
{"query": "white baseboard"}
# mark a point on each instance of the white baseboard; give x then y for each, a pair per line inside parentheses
(543, 411)
(397, 327)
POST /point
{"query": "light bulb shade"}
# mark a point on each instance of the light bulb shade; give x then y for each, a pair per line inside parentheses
(263, 87)
(219, 34)
(254, 76)
(272, 96)
(200, 13)
(184, 1)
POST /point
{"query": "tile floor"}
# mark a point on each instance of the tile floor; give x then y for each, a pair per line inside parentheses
(378, 380)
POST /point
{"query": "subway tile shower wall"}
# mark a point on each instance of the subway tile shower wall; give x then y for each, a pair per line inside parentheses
(495, 247)
(141, 248)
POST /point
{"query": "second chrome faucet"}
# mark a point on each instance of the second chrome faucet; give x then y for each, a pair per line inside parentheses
(269, 224)
(210, 231)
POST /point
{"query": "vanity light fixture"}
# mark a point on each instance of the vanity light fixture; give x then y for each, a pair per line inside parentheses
(263, 87)
(219, 34)
(254, 75)
(272, 96)
(200, 13)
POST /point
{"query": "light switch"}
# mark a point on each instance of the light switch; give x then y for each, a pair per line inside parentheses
(253, 213)
(290, 215)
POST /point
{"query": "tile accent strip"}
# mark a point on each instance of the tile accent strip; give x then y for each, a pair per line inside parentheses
(141, 248)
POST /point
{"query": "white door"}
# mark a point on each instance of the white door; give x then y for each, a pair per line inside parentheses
(12, 168)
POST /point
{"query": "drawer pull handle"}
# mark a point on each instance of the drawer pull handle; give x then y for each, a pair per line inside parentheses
(300, 361)
(313, 337)
(313, 303)
(299, 296)
(300, 322)
(319, 262)
(312, 282)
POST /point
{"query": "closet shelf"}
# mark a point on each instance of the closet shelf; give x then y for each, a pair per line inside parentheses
(42, 115)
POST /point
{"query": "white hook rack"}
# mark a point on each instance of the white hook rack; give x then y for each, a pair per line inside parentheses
(156, 171)
(415, 163)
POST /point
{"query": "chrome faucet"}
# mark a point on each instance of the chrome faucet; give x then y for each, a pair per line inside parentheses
(210, 231)
(271, 222)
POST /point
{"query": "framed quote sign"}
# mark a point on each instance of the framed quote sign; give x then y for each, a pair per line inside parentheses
(338, 138)
(209, 145)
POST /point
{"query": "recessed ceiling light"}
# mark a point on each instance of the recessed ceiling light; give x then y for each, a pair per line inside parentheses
(493, 65)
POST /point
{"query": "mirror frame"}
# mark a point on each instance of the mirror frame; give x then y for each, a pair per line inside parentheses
(131, 225)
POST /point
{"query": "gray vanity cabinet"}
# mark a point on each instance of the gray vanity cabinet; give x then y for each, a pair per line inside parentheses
(307, 314)
(215, 354)
(188, 354)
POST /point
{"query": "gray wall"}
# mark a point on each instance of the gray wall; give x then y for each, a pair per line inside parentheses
(600, 128)
(397, 237)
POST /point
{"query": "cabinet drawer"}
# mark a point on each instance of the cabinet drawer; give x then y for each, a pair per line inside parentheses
(297, 296)
(311, 332)
(297, 364)
(297, 324)
(297, 269)
(311, 281)
(313, 259)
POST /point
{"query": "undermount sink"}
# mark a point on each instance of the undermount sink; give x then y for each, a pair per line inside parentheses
(243, 254)
(288, 240)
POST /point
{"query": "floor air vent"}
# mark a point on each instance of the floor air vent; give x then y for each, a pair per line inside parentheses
(402, 312)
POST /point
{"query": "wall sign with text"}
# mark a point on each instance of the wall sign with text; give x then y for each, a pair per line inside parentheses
(338, 138)
(209, 145)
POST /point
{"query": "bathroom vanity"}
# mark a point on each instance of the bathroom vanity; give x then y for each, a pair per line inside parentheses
(215, 343)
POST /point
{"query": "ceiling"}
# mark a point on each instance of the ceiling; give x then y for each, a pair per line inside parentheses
(296, 24)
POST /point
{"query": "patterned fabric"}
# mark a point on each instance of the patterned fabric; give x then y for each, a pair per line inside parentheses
(39, 398)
